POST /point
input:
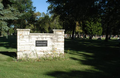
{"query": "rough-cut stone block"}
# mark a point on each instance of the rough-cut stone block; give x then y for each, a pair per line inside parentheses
(26, 43)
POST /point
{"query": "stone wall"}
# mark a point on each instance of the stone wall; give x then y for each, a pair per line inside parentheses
(37, 45)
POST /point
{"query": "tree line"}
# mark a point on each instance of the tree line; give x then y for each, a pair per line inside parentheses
(93, 17)
(21, 14)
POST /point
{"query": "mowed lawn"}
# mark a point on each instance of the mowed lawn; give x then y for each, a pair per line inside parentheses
(83, 59)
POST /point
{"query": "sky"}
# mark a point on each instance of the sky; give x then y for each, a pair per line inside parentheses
(41, 5)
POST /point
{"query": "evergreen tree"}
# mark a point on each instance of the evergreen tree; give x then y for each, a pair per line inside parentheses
(93, 27)
(7, 12)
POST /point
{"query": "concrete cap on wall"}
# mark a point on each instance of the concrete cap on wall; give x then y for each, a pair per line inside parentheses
(23, 29)
(58, 29)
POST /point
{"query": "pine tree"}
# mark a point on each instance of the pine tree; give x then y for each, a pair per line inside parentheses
(7, 12)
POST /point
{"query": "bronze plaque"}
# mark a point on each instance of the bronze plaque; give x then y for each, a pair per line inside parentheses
(41, 43)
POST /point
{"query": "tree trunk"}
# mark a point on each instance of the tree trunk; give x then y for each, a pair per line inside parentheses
(106, 39)
(73, 31)
(90, 37)
(107, 32)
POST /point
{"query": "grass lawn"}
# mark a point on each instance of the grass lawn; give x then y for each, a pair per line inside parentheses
(84, 59)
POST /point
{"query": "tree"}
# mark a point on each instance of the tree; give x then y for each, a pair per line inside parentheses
(78, 28)
(7, 13)
(32, 23)
(45, 23)
(11, 31)
(25, 7)
(110, 12)
(93, 27)
(73, 10)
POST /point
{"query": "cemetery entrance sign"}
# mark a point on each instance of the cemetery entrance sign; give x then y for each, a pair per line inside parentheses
(41, 43)
(36, 45)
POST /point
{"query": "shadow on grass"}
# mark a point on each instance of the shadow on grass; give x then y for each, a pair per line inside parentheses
(11, 54)
(101, 55)
(76, 74)
(10, 42)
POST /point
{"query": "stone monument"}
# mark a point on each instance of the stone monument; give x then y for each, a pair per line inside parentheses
(37, 45)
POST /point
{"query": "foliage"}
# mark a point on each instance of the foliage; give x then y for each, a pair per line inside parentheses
(31, 27)
(82, 10)
(78, 28)
(25, 7)
(72, 11)
(45, 23)
(7, 12)
(110, 11)
(93, 28)
(11, 31)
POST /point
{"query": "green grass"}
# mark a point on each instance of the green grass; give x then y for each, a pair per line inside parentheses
(8, 45)
(84, 59)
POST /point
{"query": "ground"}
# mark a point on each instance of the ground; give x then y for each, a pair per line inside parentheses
(83, 59)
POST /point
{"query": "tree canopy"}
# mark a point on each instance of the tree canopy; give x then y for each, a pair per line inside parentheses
(73, 10)
(82, 10)
(94, 17)
(25, 7)
(7, 12)
(110, 13)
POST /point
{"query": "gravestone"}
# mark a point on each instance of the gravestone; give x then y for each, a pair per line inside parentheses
(37, 45)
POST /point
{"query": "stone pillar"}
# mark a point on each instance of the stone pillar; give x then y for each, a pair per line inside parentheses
(22, 39)
(59, 40)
